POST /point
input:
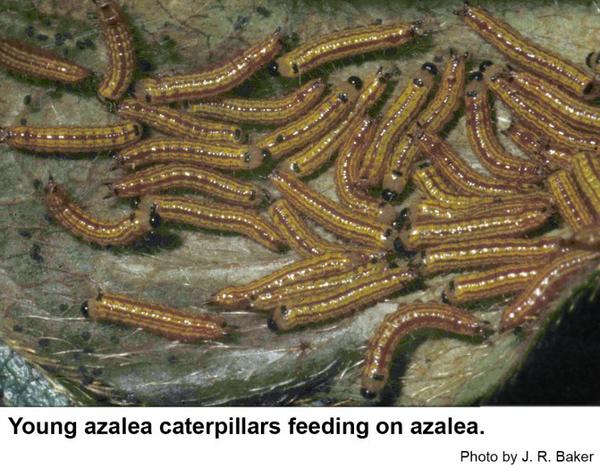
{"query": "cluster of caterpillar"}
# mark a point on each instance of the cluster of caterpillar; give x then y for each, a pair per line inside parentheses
(462, 220)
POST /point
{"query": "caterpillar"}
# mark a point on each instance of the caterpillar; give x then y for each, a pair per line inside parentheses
(32, 61)
(311, 268)
(314, 156)
(157, 319)
(272, 111)
(159, 178)
(310, 126)
(199, 85)
(334, 217)
(346, 174)
(181, 150)
(336, 303)
(298, 292)
(440, 109)
(176, 123)
(482, 253)
(221, 217)
(487, 284)
(456, 171)
(396, 118)
(299, 236)
(528, 54)
(120, 49)
(550, 154)
(341, 44)
(545, 287)
(485, 144)
(416, 236)
(404, 321)
(569, 201)
(430, 210)
(536, 116)
(81, 224)
(587, 175)
(563, 105)
(433, 186)
(71, 139)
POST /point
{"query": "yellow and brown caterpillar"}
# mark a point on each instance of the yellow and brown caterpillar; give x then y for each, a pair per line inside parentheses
(529, 55)
(311, 268)
(219, 217)
(341, 44)
(71, 139)
(334, 217)
(398, 325)
(80, 223)
(273, 111)
(545, 287)
(120, 49)
(157, 319)
(341, 301)
(206, 84)
(396, 118)
(180, 150)
(176, 123)
(159, 178)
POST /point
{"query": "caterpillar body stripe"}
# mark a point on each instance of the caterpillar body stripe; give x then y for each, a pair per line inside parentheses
(545, 287)
(536, 116)
(529, 55)
(334, 217)
(563, 105)
(400, 113)
(120, 49)
(587, 174)
(346, 174)
(176, 123)
(81, 224)
(157, 319)
(311, 268)
(456, 171)
(486, 146)
(220, 217)
(550, 154)
(273, 111)
(310, 126)
(398, 325)
(298, 292)
(569, 201)
(434, 117)
(71, 139)
(341, 44)
(431, 185)
(429, 209)
(339, 302)
(314, 156)
(488, 284)
(205, 84)
(486, 252)
(32, 61)
(180, 150)
(416, 236)
(300, 237)
(159, 178)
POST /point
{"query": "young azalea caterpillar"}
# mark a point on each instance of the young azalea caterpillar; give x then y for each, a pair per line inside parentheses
(398, 325)
(120, 50)
(80, 223)
(213, 82)
(157, 319)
